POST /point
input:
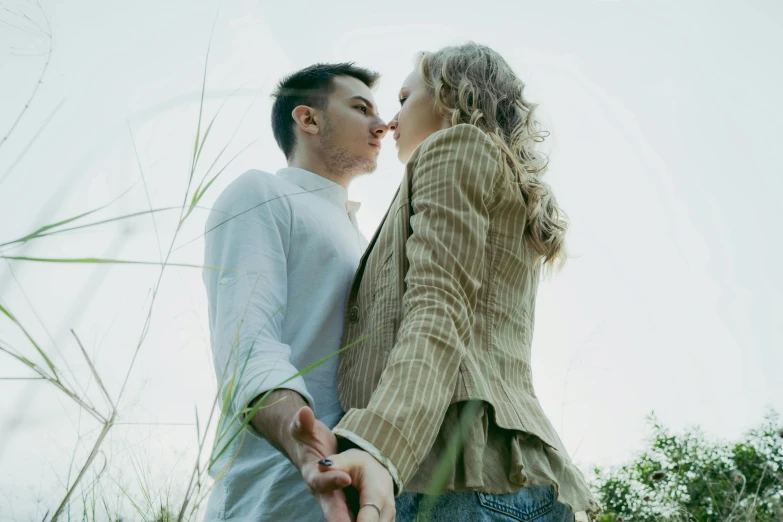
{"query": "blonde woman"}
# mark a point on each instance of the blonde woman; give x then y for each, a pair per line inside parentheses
(438, 387)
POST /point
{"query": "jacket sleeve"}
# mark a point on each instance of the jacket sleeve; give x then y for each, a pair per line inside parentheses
(456, 173)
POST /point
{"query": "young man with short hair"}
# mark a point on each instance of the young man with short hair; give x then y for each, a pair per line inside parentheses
(287, 246)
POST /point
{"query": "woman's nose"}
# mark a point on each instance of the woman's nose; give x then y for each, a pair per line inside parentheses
(393, 123)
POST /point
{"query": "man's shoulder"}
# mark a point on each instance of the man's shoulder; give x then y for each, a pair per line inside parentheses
(252, 186)
(252, 192)
(254, 182)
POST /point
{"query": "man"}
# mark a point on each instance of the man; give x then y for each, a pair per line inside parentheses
(287, 246)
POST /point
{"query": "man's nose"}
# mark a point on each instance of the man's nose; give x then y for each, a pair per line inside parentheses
(380, 129)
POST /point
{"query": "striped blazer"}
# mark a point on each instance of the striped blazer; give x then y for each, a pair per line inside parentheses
(441, 310)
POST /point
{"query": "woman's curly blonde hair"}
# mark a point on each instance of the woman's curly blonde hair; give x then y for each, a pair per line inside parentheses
(473, 84)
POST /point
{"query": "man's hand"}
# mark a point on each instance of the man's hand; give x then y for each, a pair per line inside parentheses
(370, 478)
(315, 441)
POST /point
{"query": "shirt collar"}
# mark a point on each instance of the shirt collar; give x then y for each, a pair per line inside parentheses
(319, 186)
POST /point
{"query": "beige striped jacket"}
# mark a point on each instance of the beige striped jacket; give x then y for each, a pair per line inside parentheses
(441, 312)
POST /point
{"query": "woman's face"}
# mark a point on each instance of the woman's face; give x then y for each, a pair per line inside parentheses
(417, 118)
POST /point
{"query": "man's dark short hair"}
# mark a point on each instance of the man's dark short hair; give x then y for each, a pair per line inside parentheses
(310, 86)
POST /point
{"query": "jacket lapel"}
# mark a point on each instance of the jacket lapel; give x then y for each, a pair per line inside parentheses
(357, 278)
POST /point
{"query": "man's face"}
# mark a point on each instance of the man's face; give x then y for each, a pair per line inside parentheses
(352, 133)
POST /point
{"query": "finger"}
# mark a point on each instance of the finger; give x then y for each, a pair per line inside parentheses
(372, 505)
(303, 426)
(389, 512)
(326, 481)
(335, 507)
(348, 461)
(377, 503)
(385, 510)
(368, 514)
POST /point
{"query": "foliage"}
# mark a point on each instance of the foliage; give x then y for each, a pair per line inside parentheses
(687, 477)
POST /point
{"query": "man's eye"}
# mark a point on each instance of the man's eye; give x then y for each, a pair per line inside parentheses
(402, 100)
(362, 108)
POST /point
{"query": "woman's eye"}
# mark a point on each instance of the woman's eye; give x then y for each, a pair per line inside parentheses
(362, 108)
(402, 100)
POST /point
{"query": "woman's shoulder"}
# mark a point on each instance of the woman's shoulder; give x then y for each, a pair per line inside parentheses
(463, 139)
(463, 158)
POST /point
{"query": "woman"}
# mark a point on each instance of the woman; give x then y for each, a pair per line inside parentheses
(438, 389)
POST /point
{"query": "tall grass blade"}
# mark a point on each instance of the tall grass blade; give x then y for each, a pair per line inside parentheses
(41, 232)
(40, 351)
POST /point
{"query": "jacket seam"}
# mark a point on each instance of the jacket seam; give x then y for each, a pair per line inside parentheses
(491, 302)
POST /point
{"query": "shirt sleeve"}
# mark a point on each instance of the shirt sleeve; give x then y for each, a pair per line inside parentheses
(246, 248)
(453, 183)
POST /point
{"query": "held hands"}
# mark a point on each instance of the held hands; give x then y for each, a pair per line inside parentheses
(315, 441)
(370, 478)
(326, 473)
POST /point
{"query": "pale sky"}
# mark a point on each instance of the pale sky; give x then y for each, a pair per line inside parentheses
(664, 118)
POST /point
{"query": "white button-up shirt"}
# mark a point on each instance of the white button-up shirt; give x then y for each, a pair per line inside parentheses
(280, 253)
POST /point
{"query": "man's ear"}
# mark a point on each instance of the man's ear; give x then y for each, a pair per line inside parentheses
(305, 118)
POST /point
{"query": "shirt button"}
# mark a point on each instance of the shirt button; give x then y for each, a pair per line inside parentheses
(224, 280)
(353, 314)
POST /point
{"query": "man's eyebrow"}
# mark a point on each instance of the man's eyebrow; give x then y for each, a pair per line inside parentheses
(365, 100)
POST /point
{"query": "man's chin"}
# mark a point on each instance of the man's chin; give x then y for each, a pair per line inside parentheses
(368, 167)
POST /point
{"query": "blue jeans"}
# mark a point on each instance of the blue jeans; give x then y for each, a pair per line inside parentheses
(533, 504)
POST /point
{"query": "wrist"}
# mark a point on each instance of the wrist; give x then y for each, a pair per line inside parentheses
(275, 421)
(348, 439)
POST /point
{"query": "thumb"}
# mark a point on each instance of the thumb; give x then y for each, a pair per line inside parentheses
(303, 425)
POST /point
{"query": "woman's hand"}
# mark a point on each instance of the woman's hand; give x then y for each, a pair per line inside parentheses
(370, 478)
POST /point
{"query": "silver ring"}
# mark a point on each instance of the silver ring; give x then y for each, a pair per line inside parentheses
(373, 504)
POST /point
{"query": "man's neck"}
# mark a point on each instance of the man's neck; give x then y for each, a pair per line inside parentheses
(318, 167)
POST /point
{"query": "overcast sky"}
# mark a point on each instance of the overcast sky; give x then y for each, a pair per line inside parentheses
(665, 123)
